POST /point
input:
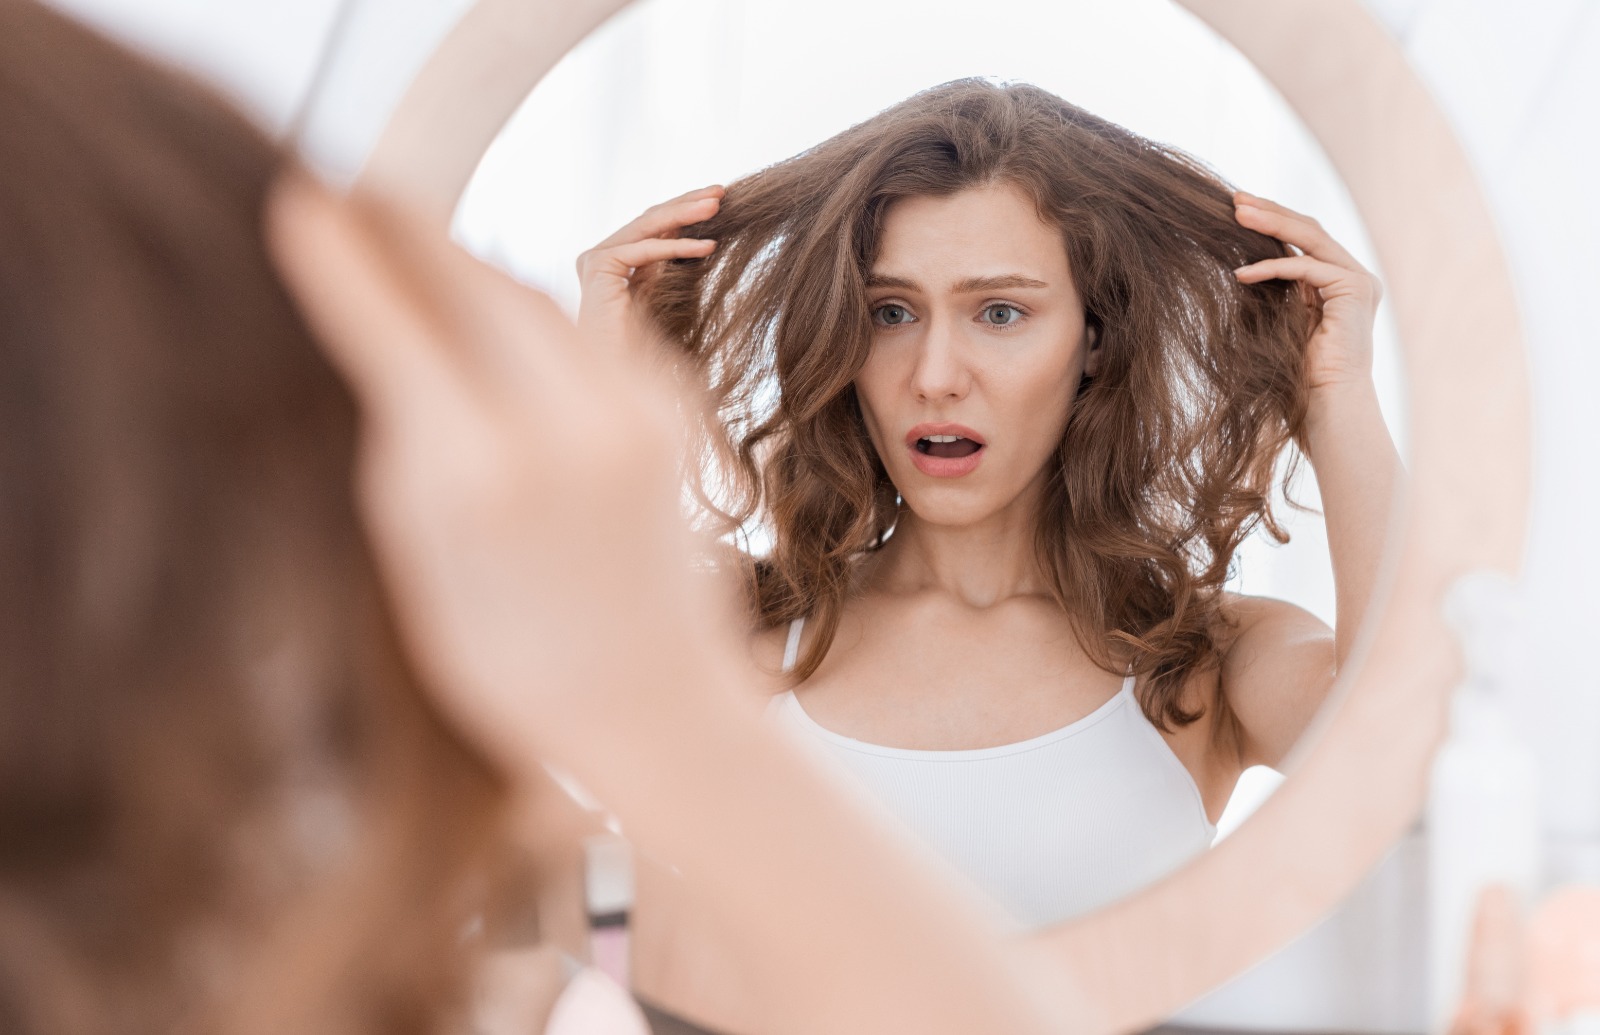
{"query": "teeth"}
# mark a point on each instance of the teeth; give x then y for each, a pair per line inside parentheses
(941, 438)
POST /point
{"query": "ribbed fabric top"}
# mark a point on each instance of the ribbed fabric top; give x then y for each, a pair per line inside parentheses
(1050, 827)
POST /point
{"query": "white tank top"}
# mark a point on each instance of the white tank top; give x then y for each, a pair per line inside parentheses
(1050, 827)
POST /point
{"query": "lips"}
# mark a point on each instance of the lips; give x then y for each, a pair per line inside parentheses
(945, 450)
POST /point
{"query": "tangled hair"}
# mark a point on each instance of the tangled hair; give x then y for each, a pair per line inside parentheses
(1170, 454)
(226, 805)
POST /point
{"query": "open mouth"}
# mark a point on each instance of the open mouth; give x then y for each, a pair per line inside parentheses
(948, 447)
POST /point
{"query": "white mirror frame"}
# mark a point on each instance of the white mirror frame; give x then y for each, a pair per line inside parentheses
(1361, 779)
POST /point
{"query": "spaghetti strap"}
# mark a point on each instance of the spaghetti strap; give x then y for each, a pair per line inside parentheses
(791, 649)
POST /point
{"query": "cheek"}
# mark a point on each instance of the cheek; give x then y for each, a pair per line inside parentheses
(1042, 400)
(875, 386)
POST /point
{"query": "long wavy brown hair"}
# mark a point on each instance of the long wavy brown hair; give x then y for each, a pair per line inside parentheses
(1171, 453)
(225, 803)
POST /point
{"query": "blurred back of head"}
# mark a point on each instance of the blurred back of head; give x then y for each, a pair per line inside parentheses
(224, 803)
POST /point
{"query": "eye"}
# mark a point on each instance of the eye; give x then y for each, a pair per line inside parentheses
(892, 314)
(1001, 314)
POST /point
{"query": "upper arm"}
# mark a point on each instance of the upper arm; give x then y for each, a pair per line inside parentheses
(1277, 667)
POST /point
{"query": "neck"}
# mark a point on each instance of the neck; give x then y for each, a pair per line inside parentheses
(978, 564)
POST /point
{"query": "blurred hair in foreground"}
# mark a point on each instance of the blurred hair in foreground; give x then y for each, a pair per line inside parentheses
(224, 802)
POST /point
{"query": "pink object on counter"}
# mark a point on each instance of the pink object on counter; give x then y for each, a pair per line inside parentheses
(609, 952)
(593, 1004)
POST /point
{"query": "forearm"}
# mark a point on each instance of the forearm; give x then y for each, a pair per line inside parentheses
(1360, 478)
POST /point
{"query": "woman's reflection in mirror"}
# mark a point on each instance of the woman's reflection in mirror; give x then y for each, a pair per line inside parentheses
(999, 389)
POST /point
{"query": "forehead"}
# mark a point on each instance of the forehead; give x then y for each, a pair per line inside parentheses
(981, 231)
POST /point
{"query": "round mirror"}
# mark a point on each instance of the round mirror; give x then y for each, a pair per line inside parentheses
(638, 124)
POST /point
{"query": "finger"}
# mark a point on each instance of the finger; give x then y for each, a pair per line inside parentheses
(711, 190)
(1241, 197)
(622, 259)
(1293, 228)
(1329, 279)
(669, 217)
(363, 316)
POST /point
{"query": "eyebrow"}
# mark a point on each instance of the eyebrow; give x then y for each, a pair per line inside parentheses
(962, 287)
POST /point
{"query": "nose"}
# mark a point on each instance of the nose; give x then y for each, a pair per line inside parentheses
(941, 371)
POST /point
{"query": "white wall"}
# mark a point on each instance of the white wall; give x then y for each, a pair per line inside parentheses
(262, 54)
(330, 71)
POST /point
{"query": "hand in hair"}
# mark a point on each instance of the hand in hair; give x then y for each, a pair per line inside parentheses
(608, 272)
(1346, 294)
(521, 489)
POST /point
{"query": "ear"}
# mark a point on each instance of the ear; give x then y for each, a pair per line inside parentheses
(1091, 358)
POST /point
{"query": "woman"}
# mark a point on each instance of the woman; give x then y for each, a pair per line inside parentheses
(1006, 385)
(257, 773)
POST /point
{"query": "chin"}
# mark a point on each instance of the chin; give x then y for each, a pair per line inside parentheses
(951, 507)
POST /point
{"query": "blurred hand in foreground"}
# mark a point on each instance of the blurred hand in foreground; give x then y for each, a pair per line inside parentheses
(520, 486)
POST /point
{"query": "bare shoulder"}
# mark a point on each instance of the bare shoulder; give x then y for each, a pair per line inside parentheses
(1264, 630)
(1277, 667)
(1269, 615)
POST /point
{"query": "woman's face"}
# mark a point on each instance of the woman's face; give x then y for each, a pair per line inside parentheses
(979, 343)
